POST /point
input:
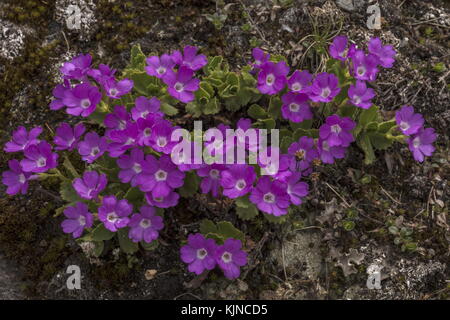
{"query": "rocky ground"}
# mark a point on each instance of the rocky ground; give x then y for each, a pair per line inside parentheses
(314, 256)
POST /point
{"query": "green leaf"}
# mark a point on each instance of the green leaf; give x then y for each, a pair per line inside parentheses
(168, 109)
(214, 63)
(190, 186)
(232, 79)
(98, 249)
(135, 197)
(100, 233)
(194, 109)
(269, 124)
(273, 219)
(243, 202)
(256, 112)
(137, 59)
(207, 226)
(348, 225)
(68, 193)
(364, 143)
(286, 143)
(379, 141)
(247, 213)
(384, 127)
(212, 107)
(126, 245)
(227, 230)
(141, 82)
(368, 115)
(275, 107)
(347, 110)
(149, 246)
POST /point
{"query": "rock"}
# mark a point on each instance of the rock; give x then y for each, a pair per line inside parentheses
(346, 4)
(11, 40)
(10, 284)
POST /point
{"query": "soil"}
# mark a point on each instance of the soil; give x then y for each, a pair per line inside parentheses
(313, 256)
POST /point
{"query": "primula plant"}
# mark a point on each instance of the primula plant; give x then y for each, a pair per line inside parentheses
(124, 134)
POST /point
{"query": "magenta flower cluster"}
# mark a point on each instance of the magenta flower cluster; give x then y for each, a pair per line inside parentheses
(205, 254)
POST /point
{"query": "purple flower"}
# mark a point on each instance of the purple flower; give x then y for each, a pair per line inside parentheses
(67, 138)
(211, 178)
(364, 67)
(82, 100)
(278, 169)
(360, 95)
(199, 253)
(327, 153)
(161, 136)
(116, 89)
(16, 179)
(90, 185)
(272, 77)
(189, 59)
(385, 54)
(145, 128)
(144, 107)
(123, 140)
(102, 73)
(145, 226)
(407, 121)
(39, 158)
(237, 180)
(171, 200)
(92, 147)
(296, 189)
(21, 139)
(296, 107)
(131, 166)
(241, 141)
(324, 88)
(260, 57)
(77, 68)
(114, 213)
(78, 219)
(299, 81)
(270, 196)
(338, 48)
(304, 152)
(421, 144)
(158, 67)
(230, 257)
(117, 120)
(59, 93)
(160, 177)
(336, 131)
(181, 84)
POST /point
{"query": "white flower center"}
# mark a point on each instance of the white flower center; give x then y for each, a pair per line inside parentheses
(294, 107)
(270, 79)
(41, 162)
(269, 197)
(95, 151)
(162, 141)
(325, 92)
(325, 145)
(226, 257)
(356, 100)
(22, 178)
(404, 125)
(416, 142)
(161, 175)
(82, 220)
(147, 132)
(144, 114)
(145, 223)
(161, 70)
(85, 103)
(201, 254)
(336, 128)
(296, 86)
(240, 184)
(361, 70)
(137, 167)
(113, 92)
(158, 199)
(112, 217)
(214, 173)
(179, 87)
